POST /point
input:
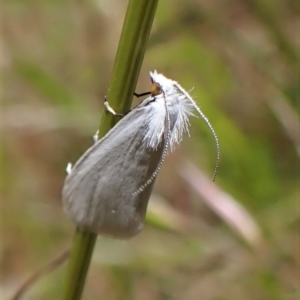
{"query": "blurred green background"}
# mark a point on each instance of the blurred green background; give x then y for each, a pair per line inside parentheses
(235, 239)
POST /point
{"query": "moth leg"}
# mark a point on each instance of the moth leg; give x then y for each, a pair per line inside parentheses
(142, 94)
(69, 168)
(95, 136)
(111, 110)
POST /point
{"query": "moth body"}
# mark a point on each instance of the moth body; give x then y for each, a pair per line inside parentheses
(108, 189)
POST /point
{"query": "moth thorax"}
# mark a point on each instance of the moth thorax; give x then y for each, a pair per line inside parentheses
(156, 87)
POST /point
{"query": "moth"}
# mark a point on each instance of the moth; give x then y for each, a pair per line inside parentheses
(108, 189)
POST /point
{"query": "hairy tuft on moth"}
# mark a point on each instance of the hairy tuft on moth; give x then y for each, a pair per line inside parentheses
(108, 189)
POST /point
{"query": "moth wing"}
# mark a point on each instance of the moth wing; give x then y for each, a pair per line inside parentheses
(98, 193)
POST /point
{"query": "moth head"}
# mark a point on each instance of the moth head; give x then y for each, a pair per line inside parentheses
(161, 84)
(155, 89)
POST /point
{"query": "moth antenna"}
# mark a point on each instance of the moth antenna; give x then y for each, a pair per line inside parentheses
(163, 157)
(207, 123)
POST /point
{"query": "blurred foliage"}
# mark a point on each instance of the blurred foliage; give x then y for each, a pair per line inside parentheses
(242, 59)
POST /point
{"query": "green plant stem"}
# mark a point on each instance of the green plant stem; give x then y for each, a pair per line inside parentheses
(130, 54)
(135, 34)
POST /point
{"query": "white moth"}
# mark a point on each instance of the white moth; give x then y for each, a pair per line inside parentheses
(108, 189)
